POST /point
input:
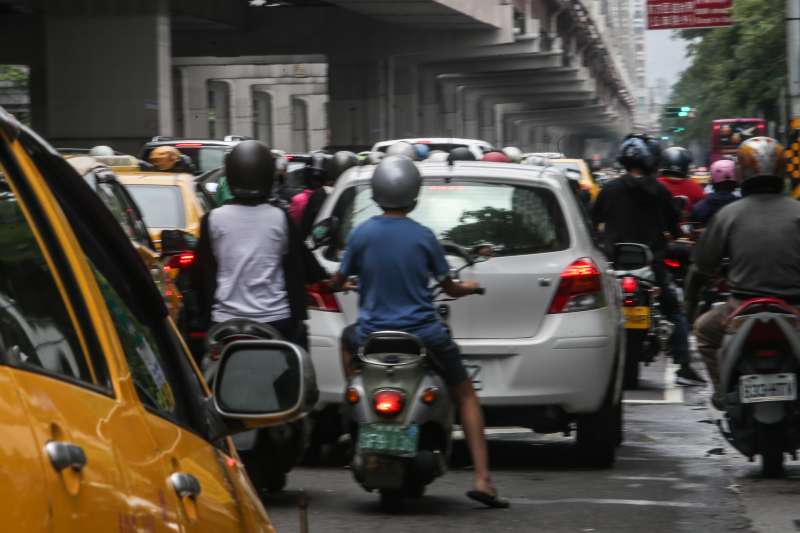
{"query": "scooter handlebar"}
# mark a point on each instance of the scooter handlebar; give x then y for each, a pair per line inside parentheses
(479, 290)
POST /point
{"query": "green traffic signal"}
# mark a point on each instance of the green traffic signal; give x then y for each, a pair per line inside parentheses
(686, 109)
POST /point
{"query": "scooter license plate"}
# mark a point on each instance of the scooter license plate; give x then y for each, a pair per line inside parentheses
(389, 439)
(636, 317)
(756, 388)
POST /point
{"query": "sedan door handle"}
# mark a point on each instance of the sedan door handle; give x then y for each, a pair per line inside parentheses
(65, 455)
(185, 485)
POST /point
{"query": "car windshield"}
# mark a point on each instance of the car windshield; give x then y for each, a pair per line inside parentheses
(517, 220)
(161, 205)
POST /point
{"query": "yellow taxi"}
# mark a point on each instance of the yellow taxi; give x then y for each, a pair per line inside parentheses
(168, 200)
(126, 212)
(107, 423)
(579, 170)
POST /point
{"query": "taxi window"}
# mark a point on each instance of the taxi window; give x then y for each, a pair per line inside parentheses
(133, 217)
(36, 331)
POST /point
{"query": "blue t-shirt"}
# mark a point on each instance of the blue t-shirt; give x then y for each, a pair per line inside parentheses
(395, 259)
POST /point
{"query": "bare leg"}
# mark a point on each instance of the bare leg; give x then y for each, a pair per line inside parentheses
(472, 422)
(710, 331)
(347, 360)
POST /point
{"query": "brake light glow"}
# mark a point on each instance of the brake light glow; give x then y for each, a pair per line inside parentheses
(320, 298)
(580, 288)
(430, 395)
(761, 127)
(182, 260)
(629, 285)
(188, 145)
(388, 402)
(672, 263)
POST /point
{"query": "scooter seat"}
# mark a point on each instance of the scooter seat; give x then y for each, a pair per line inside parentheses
(398, 342)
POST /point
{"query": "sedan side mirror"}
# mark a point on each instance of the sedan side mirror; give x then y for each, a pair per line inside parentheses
(263, 383)
(324, 231)
(631, 256)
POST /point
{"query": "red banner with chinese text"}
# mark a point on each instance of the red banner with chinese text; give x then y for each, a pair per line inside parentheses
(683, 14)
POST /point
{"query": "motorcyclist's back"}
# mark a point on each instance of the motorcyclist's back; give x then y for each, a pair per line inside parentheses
(761, 236)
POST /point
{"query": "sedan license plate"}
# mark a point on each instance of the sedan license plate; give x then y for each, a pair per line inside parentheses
(755, 388)
(389, 439)
(636, 317)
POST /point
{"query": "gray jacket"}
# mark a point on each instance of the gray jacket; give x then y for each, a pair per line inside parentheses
(761, 235)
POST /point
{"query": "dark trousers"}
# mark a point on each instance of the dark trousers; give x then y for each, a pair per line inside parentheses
(672, 309)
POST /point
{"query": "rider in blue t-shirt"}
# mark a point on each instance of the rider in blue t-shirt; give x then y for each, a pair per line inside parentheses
(395, 258)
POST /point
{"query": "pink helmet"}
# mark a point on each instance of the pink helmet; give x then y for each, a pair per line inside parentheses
(723, 170)
(496, 157)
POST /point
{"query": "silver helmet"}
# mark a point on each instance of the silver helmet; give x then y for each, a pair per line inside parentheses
(403, 148)
(396, 183)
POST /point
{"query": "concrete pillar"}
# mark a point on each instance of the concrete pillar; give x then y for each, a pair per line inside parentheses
(108, 78)
(357, 102)
(262, 116)
(219, 108)
(317, 135)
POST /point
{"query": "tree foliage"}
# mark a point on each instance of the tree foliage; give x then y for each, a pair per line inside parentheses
(737, 71)
(15, 73)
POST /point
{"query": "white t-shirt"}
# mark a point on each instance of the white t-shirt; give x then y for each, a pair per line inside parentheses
(249, 242)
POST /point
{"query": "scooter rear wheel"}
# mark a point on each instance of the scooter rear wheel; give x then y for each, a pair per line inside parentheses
(392, 500)
(772, 456)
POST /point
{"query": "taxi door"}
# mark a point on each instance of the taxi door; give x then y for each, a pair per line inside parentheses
(64, 393)
(21, 465)
(102, 468)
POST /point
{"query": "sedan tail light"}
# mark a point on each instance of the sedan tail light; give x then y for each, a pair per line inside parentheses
(388, 402)
(320, 298)
(629, 285)
(580, 289)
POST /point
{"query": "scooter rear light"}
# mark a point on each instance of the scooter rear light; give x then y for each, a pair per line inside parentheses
(351, 396)
(580, 288)
(319, 298)
(388, 402)
(672, 263)
(629, 284)
(181, 260)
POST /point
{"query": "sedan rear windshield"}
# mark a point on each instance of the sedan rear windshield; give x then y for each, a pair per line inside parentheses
(517, 220)
(161, 205)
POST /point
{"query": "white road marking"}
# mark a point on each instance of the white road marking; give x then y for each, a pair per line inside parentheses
(646, 478)
(663, 373)
(609, 501)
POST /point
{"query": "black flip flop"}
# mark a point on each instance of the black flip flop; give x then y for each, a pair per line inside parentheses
(488, 500)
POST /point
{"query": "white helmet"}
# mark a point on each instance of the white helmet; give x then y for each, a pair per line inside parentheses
(513, 153)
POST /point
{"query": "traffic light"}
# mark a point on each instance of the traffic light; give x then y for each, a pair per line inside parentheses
(682, 111)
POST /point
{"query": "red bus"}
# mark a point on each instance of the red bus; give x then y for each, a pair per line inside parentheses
(728, 133)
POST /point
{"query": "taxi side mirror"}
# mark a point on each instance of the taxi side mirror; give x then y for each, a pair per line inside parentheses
(175, 241)
(263, 383)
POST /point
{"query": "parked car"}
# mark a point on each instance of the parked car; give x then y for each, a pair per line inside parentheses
(550, 351)
(477, 147)
(118, 200)
(100, 404)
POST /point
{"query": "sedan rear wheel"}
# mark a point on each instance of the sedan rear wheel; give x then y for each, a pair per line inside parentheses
(599, 434)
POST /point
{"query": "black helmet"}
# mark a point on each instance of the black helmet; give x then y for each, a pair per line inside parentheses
(675, 162)
(639, 151)
(403, 148)
(317, 167)
(396, 183)
(342, 161)
(461, 153)
(250, 170)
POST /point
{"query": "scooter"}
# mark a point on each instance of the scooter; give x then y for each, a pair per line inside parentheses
(759, 363)
(398, 411)
(647, 332)
(268, 454)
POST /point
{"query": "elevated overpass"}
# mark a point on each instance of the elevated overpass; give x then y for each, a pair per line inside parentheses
(115, 70)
